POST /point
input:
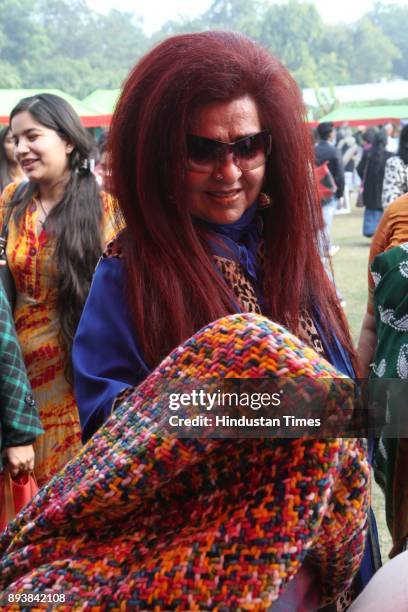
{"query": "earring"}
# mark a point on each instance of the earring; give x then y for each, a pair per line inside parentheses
(264, 200)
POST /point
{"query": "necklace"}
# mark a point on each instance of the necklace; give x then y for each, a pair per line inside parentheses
(44, 211)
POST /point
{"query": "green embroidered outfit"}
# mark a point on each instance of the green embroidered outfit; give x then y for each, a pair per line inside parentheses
(390, 274)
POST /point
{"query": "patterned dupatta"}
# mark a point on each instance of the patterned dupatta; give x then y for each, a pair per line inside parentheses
(390, 275)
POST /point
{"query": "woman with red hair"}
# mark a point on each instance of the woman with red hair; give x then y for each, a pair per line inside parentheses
(211, 164)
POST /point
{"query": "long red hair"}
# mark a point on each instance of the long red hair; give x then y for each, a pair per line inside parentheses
(172, 284)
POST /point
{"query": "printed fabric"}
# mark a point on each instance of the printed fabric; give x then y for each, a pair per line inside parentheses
(32, 263)
(390, 275)
(395, 182)
(391, 231)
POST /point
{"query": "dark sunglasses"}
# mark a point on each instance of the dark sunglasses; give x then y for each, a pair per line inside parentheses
(248, 153)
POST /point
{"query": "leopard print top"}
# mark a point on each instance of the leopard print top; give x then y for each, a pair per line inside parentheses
(112, 249)
(308, 333)
(243, 290)
(235, 277)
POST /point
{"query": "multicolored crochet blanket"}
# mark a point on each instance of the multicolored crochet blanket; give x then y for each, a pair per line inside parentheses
(143, 520)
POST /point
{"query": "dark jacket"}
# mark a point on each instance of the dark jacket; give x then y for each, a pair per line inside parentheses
(325, 152)
(371, 171)
(19, 421)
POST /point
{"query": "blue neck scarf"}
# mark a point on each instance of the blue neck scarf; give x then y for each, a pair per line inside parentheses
(238, 241)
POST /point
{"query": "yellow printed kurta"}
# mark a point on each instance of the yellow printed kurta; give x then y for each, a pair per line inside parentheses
(32, 262)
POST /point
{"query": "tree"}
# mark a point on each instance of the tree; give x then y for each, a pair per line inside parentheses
(371, 53)
(331, 70)
(9, 76)
(22, 41)
(291, 31)
(64, 44)
(392, 21)
(91, 50)
(239, 15)
(236, 15)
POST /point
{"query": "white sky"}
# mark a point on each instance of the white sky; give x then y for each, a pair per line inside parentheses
(157, 12)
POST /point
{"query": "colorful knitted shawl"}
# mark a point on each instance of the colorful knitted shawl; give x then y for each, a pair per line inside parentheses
(142, 520)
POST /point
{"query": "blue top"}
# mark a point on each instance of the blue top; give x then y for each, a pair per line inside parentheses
(106, 354)
(238, 241)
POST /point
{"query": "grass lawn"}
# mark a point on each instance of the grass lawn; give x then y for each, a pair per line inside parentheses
(350, 265)
(350, 269)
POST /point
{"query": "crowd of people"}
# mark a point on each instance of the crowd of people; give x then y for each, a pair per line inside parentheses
(370, 162)
(197, 251)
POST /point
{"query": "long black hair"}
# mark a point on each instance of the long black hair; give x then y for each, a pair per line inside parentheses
(4, 161)
(378, 153)
(75, 221)
(403, 144)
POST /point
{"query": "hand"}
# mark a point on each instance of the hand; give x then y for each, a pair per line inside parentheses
(20, 459)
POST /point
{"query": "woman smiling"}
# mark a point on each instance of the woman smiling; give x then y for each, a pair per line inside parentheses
(211, 167)
(58, 226)
(212, 176)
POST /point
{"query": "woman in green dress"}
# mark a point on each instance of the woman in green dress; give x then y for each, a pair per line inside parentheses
(390, 274)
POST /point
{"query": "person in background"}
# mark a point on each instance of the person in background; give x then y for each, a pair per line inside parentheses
(10, 170)
(392, 141)
(101, 167)
(382, 354)
(325, 151)
(389, 368)
(395, 182)
(58, 227)
(391, 232)
(349, 149)
(364, 139)
(19, 421)
(371, 171)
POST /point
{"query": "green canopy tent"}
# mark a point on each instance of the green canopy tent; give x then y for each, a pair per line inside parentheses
(90, 117)
(103, 100)
(367, 115)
